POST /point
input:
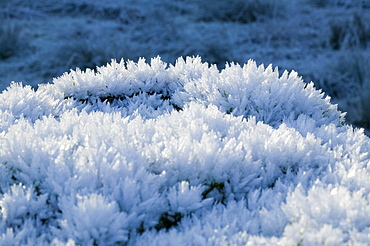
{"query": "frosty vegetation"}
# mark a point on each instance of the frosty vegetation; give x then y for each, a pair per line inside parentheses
(326, 41)
(183, 154)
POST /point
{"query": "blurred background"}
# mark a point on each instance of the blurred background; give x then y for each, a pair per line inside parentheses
(325, 41)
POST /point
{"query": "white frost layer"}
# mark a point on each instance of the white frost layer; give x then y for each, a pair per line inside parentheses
(184, 154)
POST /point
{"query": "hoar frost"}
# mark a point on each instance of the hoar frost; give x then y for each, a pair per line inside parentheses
(184, 154)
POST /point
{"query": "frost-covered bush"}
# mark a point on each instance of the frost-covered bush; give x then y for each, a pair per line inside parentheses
(350, 32)
(11, 40)
(242, 11)
(108, 10)
(183, 154)
(341, 3)
(87, 52)
(348, 79)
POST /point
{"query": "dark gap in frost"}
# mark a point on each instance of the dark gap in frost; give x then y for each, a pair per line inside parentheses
(214, 189)
(168, 220)
(111, 98)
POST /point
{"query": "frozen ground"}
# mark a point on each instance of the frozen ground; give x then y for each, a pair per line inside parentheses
(326, 41)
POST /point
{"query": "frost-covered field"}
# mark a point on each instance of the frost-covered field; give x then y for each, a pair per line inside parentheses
(326, 41)
(146, 152)
(183, 154)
